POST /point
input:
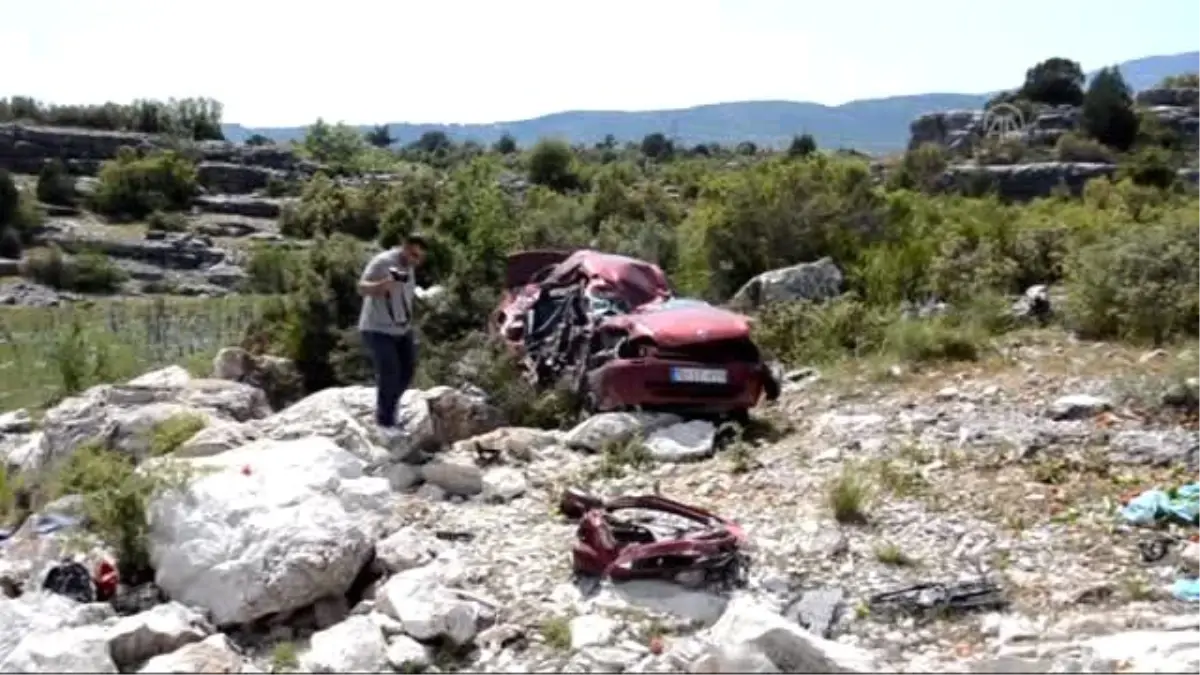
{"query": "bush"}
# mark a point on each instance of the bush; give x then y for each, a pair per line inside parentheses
(115, 499)
(551, 164)
(167, 436)
(55, 185)
(167, 222)
(134, 187)
(1072, 147)
(19, 217)
(327, 208)
(85, 273)
(1141, 283)
(1151, 167)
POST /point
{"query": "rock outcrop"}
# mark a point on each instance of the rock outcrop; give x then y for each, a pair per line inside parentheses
(223, 167)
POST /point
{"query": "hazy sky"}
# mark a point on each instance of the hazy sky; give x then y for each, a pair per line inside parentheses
(286, 63)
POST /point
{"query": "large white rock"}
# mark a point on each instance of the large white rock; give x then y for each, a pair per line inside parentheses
(355, 645)
(1146, 651)
(427, 609)
(83, 649)
(346, 414)
(37, 613)
(114, 415)
(597, 431)
(687, 441)
(269, 527)
(214, 654)
(748, 626)
(157, 631)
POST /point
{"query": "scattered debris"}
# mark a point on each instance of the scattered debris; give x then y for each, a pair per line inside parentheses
(937, 599)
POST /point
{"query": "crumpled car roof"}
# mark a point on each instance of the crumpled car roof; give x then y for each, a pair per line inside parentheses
(636, 281)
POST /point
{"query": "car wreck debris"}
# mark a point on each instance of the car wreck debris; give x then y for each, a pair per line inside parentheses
(701, 549)
(934, 599)
(611, 329)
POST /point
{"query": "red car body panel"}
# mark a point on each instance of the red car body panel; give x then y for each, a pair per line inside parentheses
(672, 333)
(685, 325)
(606, 546)
(623, 383)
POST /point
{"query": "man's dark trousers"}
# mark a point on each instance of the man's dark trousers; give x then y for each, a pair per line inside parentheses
(395, 360)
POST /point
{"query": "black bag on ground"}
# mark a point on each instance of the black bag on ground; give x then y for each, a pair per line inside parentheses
(71, 579)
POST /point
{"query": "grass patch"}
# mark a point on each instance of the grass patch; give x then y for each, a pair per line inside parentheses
(556, 632)
(617, 456)
(891, 554)
(48, 353)
(168, 435)
(849, 496)
(284, 658)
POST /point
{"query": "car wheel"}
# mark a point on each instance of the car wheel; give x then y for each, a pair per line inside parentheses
(741, 417)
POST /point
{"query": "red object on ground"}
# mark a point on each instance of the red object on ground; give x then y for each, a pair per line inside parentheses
(624, 551)
(656, 645)
(106, 579)
(246, 470)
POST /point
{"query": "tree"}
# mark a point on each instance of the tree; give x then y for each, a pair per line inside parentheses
(505, 145)
(379, 136)
(433, 142)
(337, 144)
(1108, 114)
(747, 148)
(657, 146)
(1055, 81)
(550, 164)
(1181, 81)
(258, 139)
(802, 146)
(55, 185)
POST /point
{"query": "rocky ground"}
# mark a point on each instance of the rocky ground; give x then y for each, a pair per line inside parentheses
(858, 481)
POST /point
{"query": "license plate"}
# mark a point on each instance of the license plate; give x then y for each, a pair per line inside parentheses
(699, 375)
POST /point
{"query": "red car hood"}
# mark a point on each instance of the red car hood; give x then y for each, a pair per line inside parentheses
(686, 325)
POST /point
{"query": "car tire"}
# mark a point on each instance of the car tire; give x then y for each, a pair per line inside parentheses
(741, 417)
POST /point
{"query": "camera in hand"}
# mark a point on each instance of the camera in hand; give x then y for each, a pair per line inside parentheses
(398, 274)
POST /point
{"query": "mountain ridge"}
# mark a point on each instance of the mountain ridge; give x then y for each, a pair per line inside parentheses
(877, 125)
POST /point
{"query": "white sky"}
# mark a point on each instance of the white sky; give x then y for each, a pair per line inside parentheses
(369, 61)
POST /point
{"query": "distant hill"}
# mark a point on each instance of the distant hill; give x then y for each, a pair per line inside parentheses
(872, 125)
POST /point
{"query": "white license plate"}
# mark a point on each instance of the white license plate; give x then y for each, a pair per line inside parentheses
(699, 375)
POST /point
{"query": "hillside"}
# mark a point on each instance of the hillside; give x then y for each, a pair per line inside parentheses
(870, 125)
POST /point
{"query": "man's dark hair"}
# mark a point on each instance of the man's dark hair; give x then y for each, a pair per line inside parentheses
(417, 239)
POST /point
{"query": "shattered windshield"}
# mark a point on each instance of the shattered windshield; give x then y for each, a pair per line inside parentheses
(675, 303)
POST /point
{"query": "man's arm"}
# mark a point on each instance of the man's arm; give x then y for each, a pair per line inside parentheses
(375, 280)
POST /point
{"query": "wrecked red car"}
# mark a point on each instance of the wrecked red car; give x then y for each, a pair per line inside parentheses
(697, 549)
(612, 328)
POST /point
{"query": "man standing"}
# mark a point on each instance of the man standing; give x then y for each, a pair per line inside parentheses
(385, 322)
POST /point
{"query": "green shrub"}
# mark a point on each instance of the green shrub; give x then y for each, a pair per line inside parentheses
(1141, 283)
(55, 185)
(552, 164)
(273, 269)
(168, 435)
(134, 187)
(1072, 147)
(19, 217)
(84, 273)
(115, 498)
(167, 222)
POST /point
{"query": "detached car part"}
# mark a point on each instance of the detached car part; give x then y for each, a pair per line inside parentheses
(708, 555)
